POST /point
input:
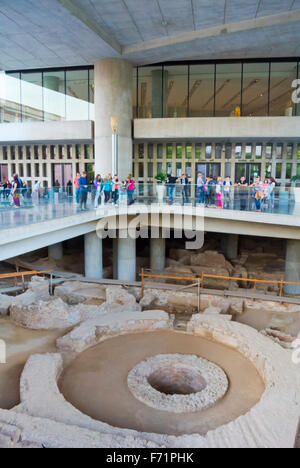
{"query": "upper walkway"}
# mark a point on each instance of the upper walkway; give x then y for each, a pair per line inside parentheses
(54, 220)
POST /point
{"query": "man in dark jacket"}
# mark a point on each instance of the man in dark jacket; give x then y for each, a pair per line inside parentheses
(83, 184)
(171, 181)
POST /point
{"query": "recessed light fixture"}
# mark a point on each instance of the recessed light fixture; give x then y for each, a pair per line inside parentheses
(164, 23)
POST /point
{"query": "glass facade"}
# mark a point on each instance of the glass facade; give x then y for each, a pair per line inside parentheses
(248, 88)
(47, 95)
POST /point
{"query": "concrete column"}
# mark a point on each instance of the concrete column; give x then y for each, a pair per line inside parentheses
(55, 251)
(115, 258)
(127, 259)
(230, 245)
(158, 254)
(292, 266)
(93, 258)
(113, 98)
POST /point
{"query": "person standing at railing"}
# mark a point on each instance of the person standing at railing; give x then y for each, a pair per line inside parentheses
(243, 193)
(36, 192)
(219, 186)
(227, 187)
(130, 189)
(77, 188)
(83, 184)
(184, 181)
(258, 193)
(16, 191)
(200, 188)
(98, 183)
(209, 191)
(170, 183)
(272, 191)
(107, 188)
(115, 190)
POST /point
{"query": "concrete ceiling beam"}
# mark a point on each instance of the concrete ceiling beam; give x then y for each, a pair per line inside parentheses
(215, 31)
(74, 10)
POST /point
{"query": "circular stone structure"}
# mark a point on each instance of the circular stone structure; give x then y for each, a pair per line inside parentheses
(177, 383)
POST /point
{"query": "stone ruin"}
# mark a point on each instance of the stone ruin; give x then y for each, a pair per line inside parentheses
(44, 418)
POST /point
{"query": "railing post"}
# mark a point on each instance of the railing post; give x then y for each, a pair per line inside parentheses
(255, 286)
(281, 288)
(198, 296)
(202, 280)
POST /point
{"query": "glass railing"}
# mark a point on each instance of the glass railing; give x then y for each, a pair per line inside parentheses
(241, 198)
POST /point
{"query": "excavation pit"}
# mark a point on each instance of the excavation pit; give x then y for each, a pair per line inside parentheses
(178, 380)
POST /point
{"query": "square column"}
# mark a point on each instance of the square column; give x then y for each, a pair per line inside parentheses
(93, 256)
(127, 259)
(292, 267)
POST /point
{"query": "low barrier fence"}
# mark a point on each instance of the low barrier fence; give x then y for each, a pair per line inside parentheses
(23, 274)
(200, 281)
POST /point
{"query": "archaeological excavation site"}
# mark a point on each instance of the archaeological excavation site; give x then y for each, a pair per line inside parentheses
(172, 360)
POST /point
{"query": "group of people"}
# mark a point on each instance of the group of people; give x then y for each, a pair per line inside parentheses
(171, 183)
(213, 191)
(106, 188)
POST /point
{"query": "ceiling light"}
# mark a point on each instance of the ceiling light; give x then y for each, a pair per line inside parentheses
(164, 23)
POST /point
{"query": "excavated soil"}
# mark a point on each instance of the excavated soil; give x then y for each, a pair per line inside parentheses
(96, 383)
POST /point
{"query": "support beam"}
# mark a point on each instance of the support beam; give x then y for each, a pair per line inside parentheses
(127, 259)
(93, 258)
(55, 251)
(292, 266)
(230, 245)
(158, 254)
(214, 32)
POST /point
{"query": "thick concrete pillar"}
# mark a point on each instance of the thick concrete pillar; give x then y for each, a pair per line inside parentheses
(115, 258)
(230, 245)
(55, 251)
(113, 98)
(292, 266)
(127, 259)
(93, 258)
(158, 254)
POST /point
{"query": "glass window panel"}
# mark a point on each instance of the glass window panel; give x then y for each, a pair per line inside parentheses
(134, 93)
(188, 151)
(178, 169)
(141, 169)
(255, 89)
(188, 169)
(179, 151)
(92, 95)
(238, 151)
(288, 173)
(279, 150)
(208, 151)
(228, 151)
(298, 169)
(227, 169)
(31, 96)
(169, 168)
(159, 151)
(258, 151)
(202, 85)
(150, 89)
(268, 169)
(170, 151)
(175, 102)
(298, 151)
(77, 86)
(218, 151)
(159, 168)
(150, 150)
(141, 150)
(289, 151)
(54, 96)
(248, 151)
(150, 169)
(282, 76)
(278, 170)
(198, 150)
(269, 151)
(228, 89)
(10, 97)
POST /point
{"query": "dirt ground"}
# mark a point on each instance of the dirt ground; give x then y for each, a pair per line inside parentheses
(96, 383)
